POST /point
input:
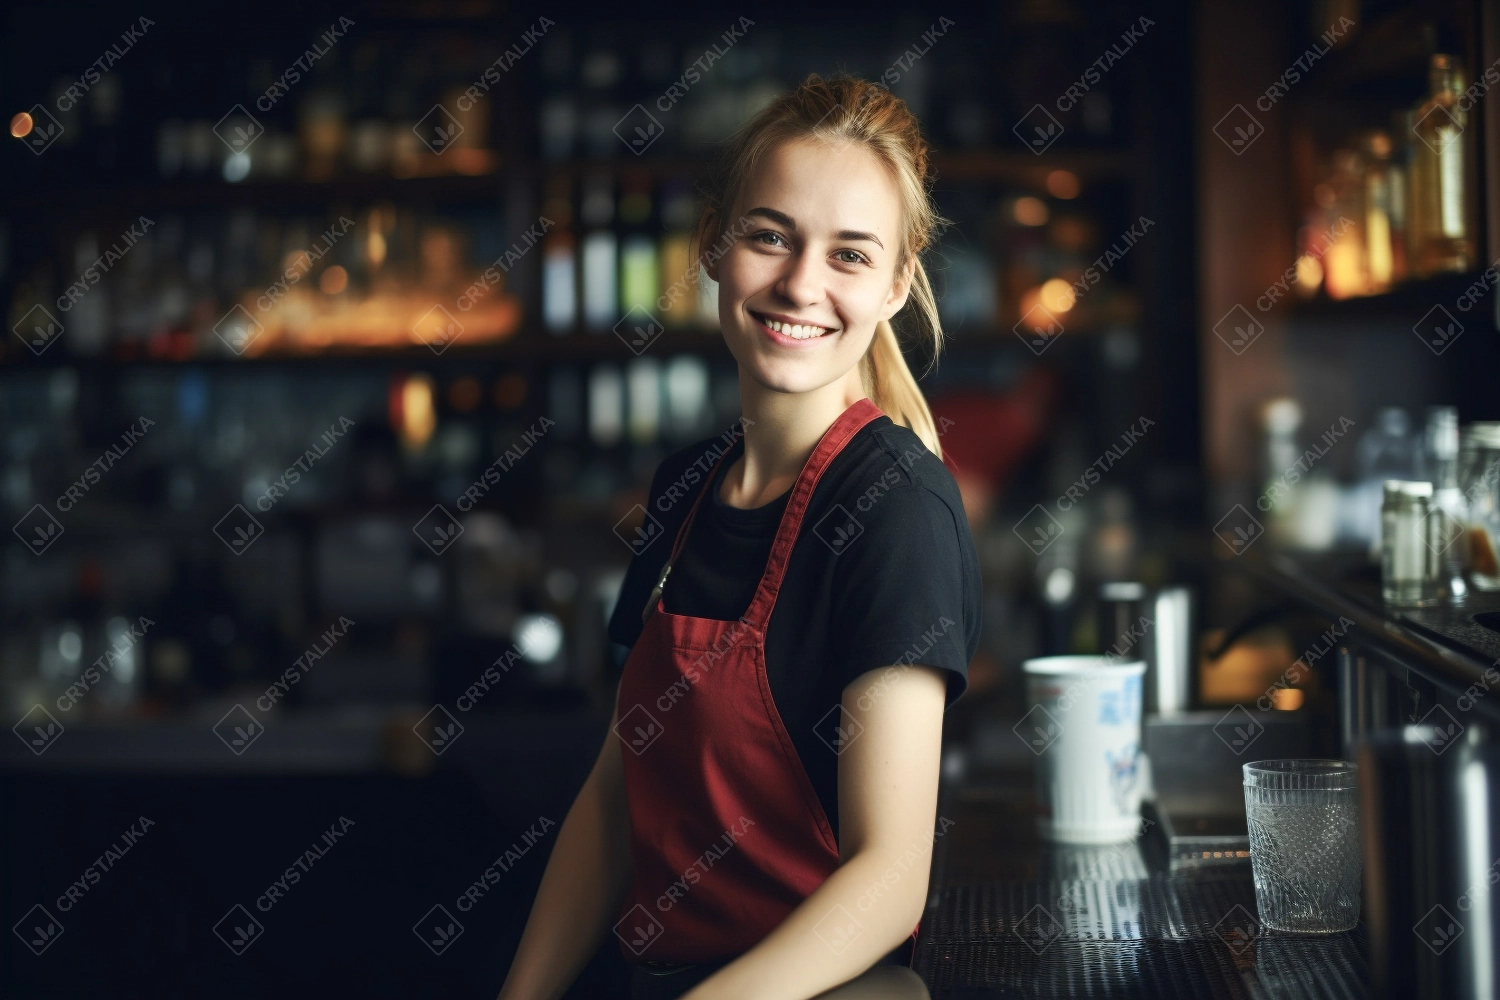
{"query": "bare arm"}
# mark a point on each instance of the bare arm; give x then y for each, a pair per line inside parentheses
(586, 880)
(888, 786)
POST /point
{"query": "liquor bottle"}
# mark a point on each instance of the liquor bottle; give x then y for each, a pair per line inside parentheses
(1449, 511)
(1381, 234)
(557, 114)
(643, 419)
(606, 406)
(559, 263)
(1345, 267)
(638, 263)
(1438, 195)
(679, 276)
(600, 255)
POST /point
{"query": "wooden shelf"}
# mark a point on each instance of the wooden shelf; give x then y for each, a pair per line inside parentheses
(1408, 302)
(1391, 51)
(1000, 165)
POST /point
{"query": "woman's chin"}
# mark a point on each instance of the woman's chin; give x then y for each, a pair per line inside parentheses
(789, 378)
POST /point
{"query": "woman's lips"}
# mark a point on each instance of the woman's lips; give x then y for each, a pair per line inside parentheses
(763, 321)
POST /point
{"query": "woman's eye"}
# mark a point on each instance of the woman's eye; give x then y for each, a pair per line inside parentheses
(766, 236)
(850, 257)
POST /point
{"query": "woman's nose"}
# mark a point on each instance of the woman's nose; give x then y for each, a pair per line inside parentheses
(800, 283)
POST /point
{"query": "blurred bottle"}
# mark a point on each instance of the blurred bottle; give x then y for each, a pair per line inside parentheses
(1439, 198)
(643, 379)
(639, 270)
(1279, 421)
(1480, 475)
(606, 405)
(1345, 264)
(679, 276)
(1382, 233)
(1389, 450)
(600, 254)
(324, 133)
(559, 262)
(1448, 507)
(557, 114)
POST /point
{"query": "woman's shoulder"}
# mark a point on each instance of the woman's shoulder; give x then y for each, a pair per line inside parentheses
(888, 462)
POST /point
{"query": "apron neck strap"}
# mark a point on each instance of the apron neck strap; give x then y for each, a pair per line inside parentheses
(849, 423)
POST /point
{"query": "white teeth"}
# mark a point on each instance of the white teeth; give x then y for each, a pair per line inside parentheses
(796, 332)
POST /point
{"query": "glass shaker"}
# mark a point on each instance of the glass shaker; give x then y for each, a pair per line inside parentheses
(1448, 507)
(1479, 476)
(1409, 561)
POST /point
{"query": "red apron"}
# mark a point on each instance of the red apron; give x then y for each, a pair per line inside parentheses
(727, 833)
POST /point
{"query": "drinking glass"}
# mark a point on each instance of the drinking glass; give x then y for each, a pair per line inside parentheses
(1305, 850)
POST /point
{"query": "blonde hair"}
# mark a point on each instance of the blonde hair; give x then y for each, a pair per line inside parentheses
(847, 109)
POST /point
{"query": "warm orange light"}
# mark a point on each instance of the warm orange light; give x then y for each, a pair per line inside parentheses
(1057, 296)
(1036, 315)
(1029, 211)
(375, 248)
(20, 125)
(1309, 274)
(1288, 699)
(418, 416)
(334, 280)
(1342, 270)
(1062, 184)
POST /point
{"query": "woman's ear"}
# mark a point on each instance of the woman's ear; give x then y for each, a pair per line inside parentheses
(900, 289)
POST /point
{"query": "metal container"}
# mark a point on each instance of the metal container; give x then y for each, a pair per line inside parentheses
(1429, 828)
(1171, 658)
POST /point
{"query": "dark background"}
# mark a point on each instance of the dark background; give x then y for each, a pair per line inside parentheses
(546, 544)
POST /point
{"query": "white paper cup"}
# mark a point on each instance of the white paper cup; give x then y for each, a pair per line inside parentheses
(1084, 725)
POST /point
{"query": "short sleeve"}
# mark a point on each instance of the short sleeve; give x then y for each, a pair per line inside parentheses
(905, 590)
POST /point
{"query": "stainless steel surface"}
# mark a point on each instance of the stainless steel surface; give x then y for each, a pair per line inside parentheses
(1428, 832)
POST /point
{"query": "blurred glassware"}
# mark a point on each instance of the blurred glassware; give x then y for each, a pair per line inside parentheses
(1388, 450)
(1480, 476)
(1448, 507)
(1409, 562)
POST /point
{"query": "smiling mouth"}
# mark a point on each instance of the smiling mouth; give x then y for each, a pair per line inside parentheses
(796, 331)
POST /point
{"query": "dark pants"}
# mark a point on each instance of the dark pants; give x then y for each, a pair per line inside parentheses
(668, 981)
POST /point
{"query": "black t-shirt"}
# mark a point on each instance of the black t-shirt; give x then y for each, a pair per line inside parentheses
(884, 571)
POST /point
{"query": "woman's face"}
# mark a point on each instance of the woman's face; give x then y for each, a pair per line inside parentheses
(814, 267)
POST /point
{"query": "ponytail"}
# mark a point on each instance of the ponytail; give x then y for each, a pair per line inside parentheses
(888, 380)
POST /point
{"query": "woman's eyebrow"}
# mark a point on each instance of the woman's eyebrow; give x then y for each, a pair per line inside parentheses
(782, 219)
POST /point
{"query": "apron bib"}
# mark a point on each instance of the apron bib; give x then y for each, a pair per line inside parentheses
(727, 833)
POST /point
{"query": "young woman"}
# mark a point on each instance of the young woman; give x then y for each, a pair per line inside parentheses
(760, 821)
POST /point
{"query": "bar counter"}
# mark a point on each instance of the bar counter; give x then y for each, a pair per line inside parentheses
(1010, 915)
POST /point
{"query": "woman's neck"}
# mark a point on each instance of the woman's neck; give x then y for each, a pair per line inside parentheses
(781, 431)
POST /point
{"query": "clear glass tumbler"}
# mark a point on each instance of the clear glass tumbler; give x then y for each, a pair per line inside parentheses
(1305, 850)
